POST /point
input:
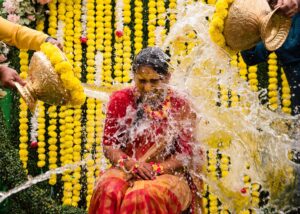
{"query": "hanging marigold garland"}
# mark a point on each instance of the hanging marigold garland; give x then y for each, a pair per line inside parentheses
(52, 128)
(41, 120)
(286, 94)
(138, 26)
(152, 16)
(90, 124)
(77, 109)
(23, 129)
(273, 82)
(107, 62)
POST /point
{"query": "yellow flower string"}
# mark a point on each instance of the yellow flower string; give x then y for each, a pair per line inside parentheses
(52, 140)
(138, 26)
(90, 113)
(224, 96)
(151, 22)
(52, 18)
(99, 25)
(69, 112)
(243, 68)
(172, 16)
(252, 76)
(107, 63)
(161, 22)
(126, 54)
(77, 109)
(23, 129)
(286, 94)
(216, 27)
(99, 130)
(41, 135)
(118, 66)
(52, 128)
(41, 121)
(273, 86)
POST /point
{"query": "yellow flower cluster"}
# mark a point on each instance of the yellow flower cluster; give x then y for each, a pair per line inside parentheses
(234, 98)
(253, 82)
(90, 123)
(273, 86)
(243, 68)
(118, 66)
(161, 22)
(216, 27)
(52, 18)
(107, 63)
(286, 94)
(212, 163)
(41, 135)
(66, 140)
(138, 26)
(99, 130)
(52, 128)
(77, 155)
(172, 16)
(126, 54)
(52, 140)
(151, 22)
(23, 129)
(224, 95)
(41, 121)
(77, 109)
(99, 25)
(68, 31)
(65, 71)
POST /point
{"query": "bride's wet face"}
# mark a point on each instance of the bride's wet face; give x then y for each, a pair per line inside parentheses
(149, 83)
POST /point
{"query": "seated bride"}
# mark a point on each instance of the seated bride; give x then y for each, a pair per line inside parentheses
(148, 137)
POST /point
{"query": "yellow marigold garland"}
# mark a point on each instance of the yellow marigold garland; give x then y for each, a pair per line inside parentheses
(243, 68)
(252, 76)
(52, 128)
(138, 26)
(41, 121)
(23, 129)
(217, 24)
(77, 109)
(152, 16)
(172, 16)
(273, 86)
(286, 94)
(107, 62)
(161, 22)
(126, 55)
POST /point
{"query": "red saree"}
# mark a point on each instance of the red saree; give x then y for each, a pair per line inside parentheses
(125, 128)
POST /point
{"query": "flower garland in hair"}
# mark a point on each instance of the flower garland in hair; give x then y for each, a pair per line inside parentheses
(138, 26)
(152, 22)
(273, 86)
(286, 94)
(216, 27)
(23, 128)
(65, 71)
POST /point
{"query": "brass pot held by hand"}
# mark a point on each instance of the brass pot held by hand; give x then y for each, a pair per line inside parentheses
(43, 83)
(250, 21)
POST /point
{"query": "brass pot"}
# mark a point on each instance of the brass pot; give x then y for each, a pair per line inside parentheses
(250, 21)
(43, 83)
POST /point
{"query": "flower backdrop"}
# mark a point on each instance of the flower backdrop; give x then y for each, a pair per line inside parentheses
(100, 38)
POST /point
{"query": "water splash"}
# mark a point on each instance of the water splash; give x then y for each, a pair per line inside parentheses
(257, 137)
